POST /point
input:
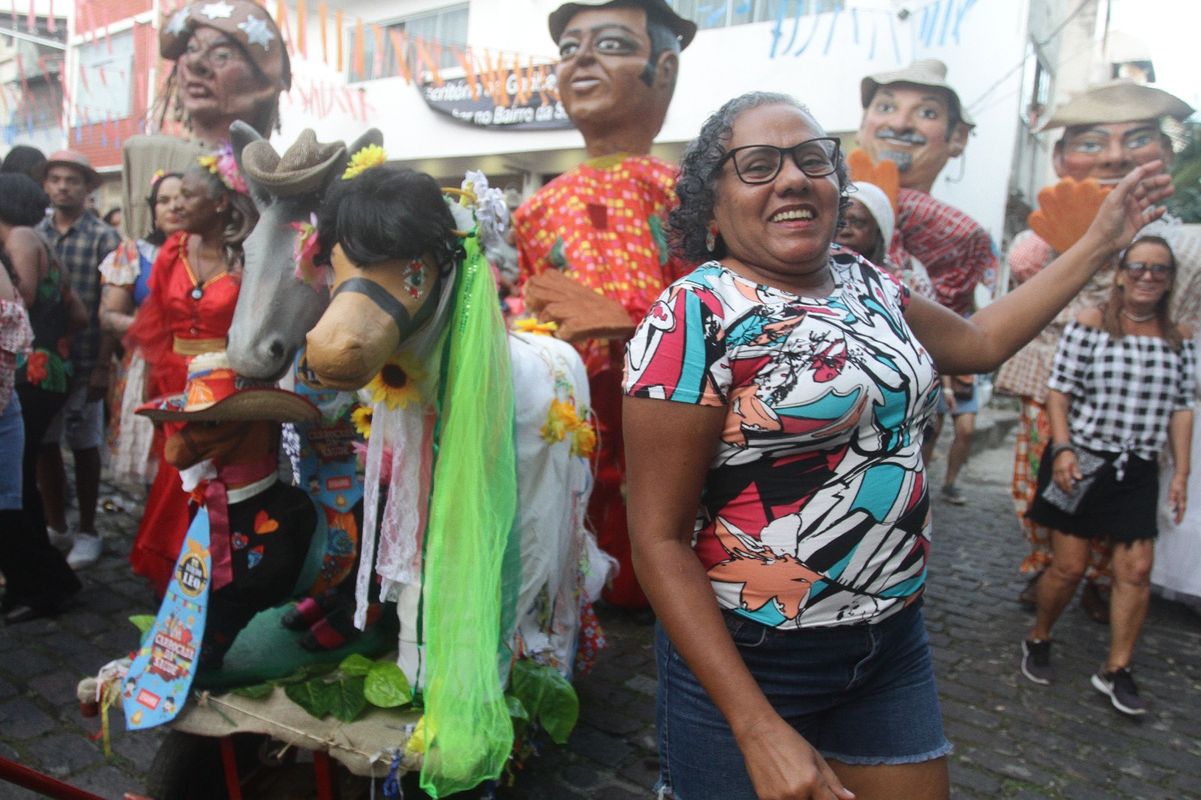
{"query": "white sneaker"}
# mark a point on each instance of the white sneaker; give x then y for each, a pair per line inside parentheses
(86, 551)
(60, 540)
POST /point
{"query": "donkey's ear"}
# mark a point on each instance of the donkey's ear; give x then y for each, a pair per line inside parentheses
(240, 135)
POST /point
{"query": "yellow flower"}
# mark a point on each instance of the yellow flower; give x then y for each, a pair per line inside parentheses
(415, 746)
(397, 383)
(583, 440)
(361, 417)
(561, 419)
(532, 325)
(370, 156)
(209, 163)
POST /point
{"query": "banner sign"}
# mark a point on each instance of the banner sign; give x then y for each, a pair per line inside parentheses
(514, 99)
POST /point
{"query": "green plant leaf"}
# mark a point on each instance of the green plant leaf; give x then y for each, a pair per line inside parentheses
(255, 692)
(313, 696)
(548, 697)
(516, 708)
(356, 664)
(143, 622)
(387, 686)
(347, 699)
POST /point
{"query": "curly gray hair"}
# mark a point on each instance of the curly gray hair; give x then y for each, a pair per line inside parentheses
(696, 186)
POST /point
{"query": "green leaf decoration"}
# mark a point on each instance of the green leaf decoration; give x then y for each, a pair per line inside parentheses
(516, 708)
(347, 699)
(143, 622)
(313, 696)
(256, 692)
(387, 686)
(356, 664)
(548, 697)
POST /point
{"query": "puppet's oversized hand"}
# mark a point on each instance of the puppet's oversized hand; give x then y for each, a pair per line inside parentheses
(1065, 211)
(581, 313)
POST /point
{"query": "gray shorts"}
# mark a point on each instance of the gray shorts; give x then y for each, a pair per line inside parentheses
(80, 424)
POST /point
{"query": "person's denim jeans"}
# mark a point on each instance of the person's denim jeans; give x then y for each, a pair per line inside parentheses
(860, 694)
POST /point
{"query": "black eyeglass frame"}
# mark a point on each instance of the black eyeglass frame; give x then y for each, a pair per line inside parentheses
(834, 156)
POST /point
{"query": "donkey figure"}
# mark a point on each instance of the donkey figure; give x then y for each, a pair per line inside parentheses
(465, 416)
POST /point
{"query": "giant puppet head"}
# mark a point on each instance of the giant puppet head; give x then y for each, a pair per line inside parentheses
(618, 63)
(1110, 128)
(230, 63)
(912, 116)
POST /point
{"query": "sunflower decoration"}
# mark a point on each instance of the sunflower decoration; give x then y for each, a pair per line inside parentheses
(583, 440)
(361, 419)
(398, 383)
(370, 156)
(532, 325)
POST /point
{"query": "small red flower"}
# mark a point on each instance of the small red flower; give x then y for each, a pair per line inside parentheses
(35, 370)
(64, 347)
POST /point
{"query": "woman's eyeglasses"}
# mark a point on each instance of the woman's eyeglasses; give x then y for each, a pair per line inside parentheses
(1139, 269)
(761, 163)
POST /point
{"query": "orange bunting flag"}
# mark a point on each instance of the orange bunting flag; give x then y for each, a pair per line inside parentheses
(358, 59)
(377, 55)
(467, 62)
(51, 24)
(400, 47)
(322, 15)
(302, 22)
(426, 61)
(338, 33)
(281, 21)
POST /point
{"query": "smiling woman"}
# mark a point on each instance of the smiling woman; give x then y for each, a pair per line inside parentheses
(775, 400)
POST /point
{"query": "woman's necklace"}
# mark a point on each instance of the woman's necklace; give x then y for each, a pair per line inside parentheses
(1137, 317)
(199, 282)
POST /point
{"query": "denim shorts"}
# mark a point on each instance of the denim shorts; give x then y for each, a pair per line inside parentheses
(860, 694)
(12, 444)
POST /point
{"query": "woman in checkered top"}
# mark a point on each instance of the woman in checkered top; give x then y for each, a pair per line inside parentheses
(1124, 375)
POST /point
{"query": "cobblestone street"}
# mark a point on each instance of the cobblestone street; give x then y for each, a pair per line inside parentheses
(1013, 739)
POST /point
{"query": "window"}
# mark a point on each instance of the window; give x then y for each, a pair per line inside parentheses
(1036, 88)
(443, 28)
(724, 13)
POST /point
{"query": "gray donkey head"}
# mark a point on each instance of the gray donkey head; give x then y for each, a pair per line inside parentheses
(282, 294)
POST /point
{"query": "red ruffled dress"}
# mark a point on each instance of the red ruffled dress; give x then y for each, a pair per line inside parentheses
(180, 318)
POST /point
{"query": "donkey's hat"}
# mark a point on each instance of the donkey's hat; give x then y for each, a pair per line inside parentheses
(303, 168)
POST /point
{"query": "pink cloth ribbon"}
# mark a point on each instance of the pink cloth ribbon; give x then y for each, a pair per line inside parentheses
(216, 500)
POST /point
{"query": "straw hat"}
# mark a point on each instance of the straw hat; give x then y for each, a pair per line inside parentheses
(923, 72)
(246, 23)
(656, 10)
(302, 168)
(73, 158)
(215, 393)
(1117, 101)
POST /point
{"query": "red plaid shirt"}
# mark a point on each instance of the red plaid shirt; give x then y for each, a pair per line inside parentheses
(957, 251)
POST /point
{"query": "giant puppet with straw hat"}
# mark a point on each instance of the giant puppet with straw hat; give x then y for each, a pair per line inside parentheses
(591, 243)
(1105, 131)
(230, 63)
(253, 542)
(914, 118)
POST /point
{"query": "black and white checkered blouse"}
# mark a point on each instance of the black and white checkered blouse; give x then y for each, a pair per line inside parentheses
(1123, 391)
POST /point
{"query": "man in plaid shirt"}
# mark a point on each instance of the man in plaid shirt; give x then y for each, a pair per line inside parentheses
(913, 117)
(81, 241)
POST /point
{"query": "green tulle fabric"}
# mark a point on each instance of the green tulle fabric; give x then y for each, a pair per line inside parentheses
(472, 510)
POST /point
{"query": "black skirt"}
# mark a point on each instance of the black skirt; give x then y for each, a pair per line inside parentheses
(1122, 511)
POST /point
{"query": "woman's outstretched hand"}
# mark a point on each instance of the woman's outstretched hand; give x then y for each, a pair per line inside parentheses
(1131, 206)
(783, 766)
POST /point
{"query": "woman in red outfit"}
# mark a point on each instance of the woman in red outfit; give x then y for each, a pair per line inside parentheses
(193, 291)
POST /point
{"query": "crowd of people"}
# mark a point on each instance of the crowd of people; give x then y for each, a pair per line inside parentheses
(772, 335)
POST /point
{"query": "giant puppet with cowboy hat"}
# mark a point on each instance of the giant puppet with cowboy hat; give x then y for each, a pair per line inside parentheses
(591, 243)
(230, 63)
(252, 538)
(1107, 130)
